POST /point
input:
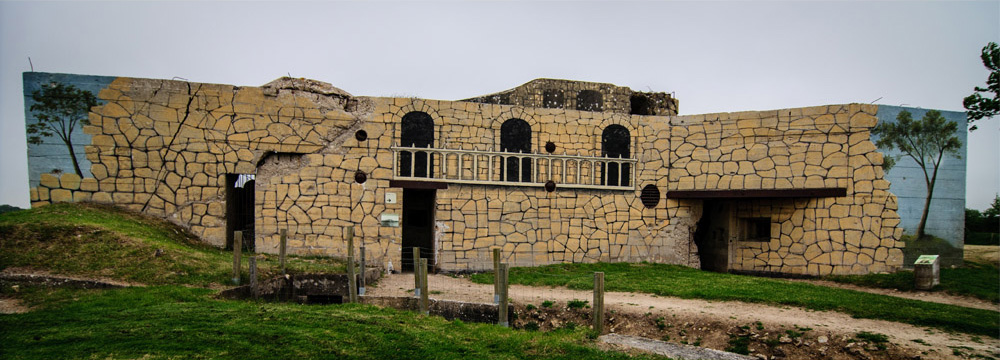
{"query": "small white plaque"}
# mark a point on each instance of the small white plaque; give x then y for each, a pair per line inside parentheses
(390, 198)
(390, 220)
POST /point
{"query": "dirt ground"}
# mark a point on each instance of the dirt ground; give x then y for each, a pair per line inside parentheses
(983, 254)
(714, 323)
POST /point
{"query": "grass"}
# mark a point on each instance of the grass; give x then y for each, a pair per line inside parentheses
(673, 280)
(181, 322)
(102, 241)
(973, 279)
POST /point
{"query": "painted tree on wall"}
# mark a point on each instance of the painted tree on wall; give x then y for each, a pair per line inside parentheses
(58, 109)
(926, 141)
(984, 107)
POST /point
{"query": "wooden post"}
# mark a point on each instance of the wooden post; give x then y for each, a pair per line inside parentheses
(496, 275)
(352, 280)
(361, 288)
(281, 249)
(237, 249)
(599, 302)
(424, 309)
(502, 306)
(416, 271)
(253, 276)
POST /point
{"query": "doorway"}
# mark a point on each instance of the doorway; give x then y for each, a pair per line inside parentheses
(418, 226)
(240, 209)
(712, 237)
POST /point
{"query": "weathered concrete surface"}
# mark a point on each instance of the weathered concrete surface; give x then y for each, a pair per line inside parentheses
(300, 287)
(465, 311)
(676, 351)
(56, 281)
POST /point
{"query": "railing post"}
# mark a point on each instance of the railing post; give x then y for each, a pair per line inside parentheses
(237, 249)
(496, 275)
(281, 250)
(598, 302)
(502, 306)
(416, 271)
(352, 280)
(424, 308)
(361, 289)
(253, 277)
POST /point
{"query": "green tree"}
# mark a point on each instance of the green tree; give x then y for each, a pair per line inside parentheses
(925, 141)
(984, 107)
(58, 109)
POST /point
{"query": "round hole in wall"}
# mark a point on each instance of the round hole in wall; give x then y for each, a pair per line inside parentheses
(650, 196)
(360, 177)
(550, 186)
(361, 135)
(550, 147)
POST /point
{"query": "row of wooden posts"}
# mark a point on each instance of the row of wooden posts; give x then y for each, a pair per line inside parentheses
(500, 278)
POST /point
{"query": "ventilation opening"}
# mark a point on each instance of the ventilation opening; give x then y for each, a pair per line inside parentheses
(641, 105)
(324, 299)
(650, 196)
(757, 229)
(589, 100)
(240, 209)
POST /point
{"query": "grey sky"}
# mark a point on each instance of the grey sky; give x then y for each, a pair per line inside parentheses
(715, 56)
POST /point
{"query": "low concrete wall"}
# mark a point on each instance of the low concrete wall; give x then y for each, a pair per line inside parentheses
(470, 312)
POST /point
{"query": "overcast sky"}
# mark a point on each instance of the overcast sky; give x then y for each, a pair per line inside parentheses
(715, 56)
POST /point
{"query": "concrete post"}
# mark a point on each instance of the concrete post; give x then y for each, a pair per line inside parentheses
(496, 275)
(361, 289)
(598, 302)
(352, 280)
(416, 271)
(502, 306)
(253, 277)
(281, 249)
(424, 301)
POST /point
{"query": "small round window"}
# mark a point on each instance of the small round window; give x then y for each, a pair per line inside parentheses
(650, 196)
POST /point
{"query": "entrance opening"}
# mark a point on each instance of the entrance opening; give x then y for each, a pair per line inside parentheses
(240, 209)
(712, 237)
(418, 225)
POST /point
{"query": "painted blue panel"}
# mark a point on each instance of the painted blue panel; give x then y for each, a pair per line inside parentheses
(946, 218)
(52, 153)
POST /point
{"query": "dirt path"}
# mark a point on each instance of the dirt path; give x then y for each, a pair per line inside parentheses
(934, 343)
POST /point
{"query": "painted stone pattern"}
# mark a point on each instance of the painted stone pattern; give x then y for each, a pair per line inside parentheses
(165, 148)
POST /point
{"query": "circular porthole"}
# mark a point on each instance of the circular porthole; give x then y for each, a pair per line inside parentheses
(361, 135)
(550, 147)
(550, 186)
(360, 177)
(650, 196)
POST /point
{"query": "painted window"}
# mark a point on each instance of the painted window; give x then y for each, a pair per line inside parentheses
(589, 100)
(615, 144)
(515, 137)
(417, 130)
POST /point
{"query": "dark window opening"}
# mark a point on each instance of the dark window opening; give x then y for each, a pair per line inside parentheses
(553, 99)
(615, 144)
(515, 137)
(641, 105)
(240, 210)
(417, 130)
(589, 100)
(757, 229)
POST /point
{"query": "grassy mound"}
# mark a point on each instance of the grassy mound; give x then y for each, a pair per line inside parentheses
(92, 240)
(174, 322)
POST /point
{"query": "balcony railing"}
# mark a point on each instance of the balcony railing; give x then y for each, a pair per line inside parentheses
(512, 169)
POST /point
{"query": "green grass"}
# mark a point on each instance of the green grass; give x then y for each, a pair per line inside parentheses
(181, 323)
(972, 279)
(679, 281)
(102, 241)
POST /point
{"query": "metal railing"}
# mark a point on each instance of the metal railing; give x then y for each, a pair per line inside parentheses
(493, 168)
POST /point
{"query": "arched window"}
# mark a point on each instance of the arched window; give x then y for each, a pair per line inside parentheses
(615, 144)
(417, 130)
(515, 137)
(589, 100)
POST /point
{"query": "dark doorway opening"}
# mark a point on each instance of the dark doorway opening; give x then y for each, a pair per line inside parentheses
(712, 237)
(615, 144)
(240, 209)
(418, 225)
(515, 137)
(640, 105)
(417, 130)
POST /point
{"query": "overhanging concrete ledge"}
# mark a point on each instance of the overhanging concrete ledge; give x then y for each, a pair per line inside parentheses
(757, 193)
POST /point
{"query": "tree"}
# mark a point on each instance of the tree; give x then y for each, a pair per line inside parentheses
(58, 109)
(983, 107)
(925, 141)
